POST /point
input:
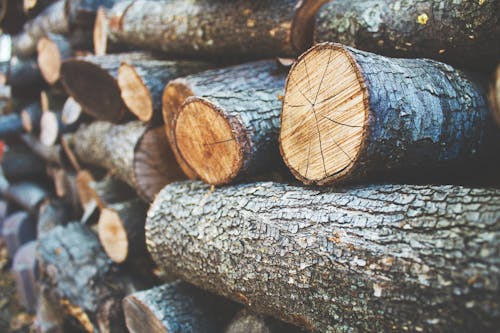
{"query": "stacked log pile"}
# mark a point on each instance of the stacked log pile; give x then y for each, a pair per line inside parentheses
(252, 166)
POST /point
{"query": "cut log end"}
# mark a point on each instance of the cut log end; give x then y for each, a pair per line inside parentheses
(324, 115)
(113, 235)
(174, 95)
(140, 318)
(71, 111)
(209, 141)
(134, 93)
(26, 120)
(49, 60)
(100, 32)
(49, 128)
(96, 90)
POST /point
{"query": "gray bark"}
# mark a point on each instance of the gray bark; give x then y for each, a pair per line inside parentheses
(52, 214)
(51, 155)
(379, 258)
(19, 163)
(25, 271)
(10, 125)
(249, 322)
(464, 33)
(18, 229)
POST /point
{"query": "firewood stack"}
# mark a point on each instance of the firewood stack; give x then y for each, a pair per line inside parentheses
(252, 166)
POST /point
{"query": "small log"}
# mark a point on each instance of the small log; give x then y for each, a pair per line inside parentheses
(26, 195)
(249, 322)
(142, 83)
(102, 45)
(52, 213)
(463, 33)
(71, 112)
(4, 212)
(10, 125)
(52, 127)
(176, 307)
(121, 230)
(124, 150)
(92, 82)
(19, 163)
(65, 184)
(255, 29)
(31, 116)
(18, 229)
(230, 126)
(52, 20)
(52, 51)
(350, 114)
(378, 258)
(5, 100)
(23, 73)
(71, 261)
(52, 100)
(53, 155)
(25, 273)
(494, 96)
(83, 12)
(48, 315)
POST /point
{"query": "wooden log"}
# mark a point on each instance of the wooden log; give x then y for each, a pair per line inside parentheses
(71, 112)
(52, 100)
(121, 230)
(5, 100)
(142, 83)
(10, 125)
(4, 212)
(377, 258)
(255, 29)
(65, 185)
(25, 271)
(52, 51)
(52, 20)
(19, 163)
(125, 150)
(23, 73)
(52, 127)
(83, 12)
(52, 213)
(102, 45)
(53, 155)
(33, 7)
(18, 229)
(71, 260)
(26, 195)
(92, 82)
(230, 126)
(11, 16)
(31, 116)
(494, 96)
(48, 315)
(463, 33)
(247, 321)
(349, 114)
(176, 307)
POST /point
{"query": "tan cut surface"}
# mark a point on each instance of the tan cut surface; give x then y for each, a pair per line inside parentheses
(207, 143)
(100, 33)
(49, 60)
(112, 235)
(324, 114)
(134, 92)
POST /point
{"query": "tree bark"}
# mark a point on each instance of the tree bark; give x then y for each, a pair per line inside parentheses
(48, 315)
(255, 29)
(121, 230)
(230, 125)
(51, 155)
(31, 116)
(52, 20)
(377, 258)
(52, 213)
(10, 125)
(19, 163)
(123, 150)
(52, 127)
(83, 12)
(18, 229)
(25, 272)
(142, 83)
(22, 74)
(92, 82)
(249, 322)
(494, 96)
(176, 307)
(26, 195)
(72, 260)
(371, 115)
(463, 33)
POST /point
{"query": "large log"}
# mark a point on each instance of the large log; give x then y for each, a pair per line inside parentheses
(25, 271)
(19, 163)
(176, 307)
(18, 229)
(229, 126)
(249, 322)
(250, 29)
(379, 258)
(52, 20)
(464, 33)
(92, 82)
(128, 151)
(72, 261)
(121, 230)
(349, 114)
(142, 83)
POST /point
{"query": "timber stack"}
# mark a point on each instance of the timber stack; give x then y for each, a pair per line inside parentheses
(252, 166)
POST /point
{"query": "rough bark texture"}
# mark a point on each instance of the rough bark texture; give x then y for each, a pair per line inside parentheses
(19, 163)
(52, 20)
(247, 97)
(26, 195)
(109, 190)
(249, 322)
(464, 33)
(31, 116)
(25, 272)
(420, 115)
(48, 315)
(52, 214)
(91, 81)
(176, 307)
(82, 12)
(72, 260)
(52, 154)
(18, 229)
(142, 84)
(252, 29)
(379, 258)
